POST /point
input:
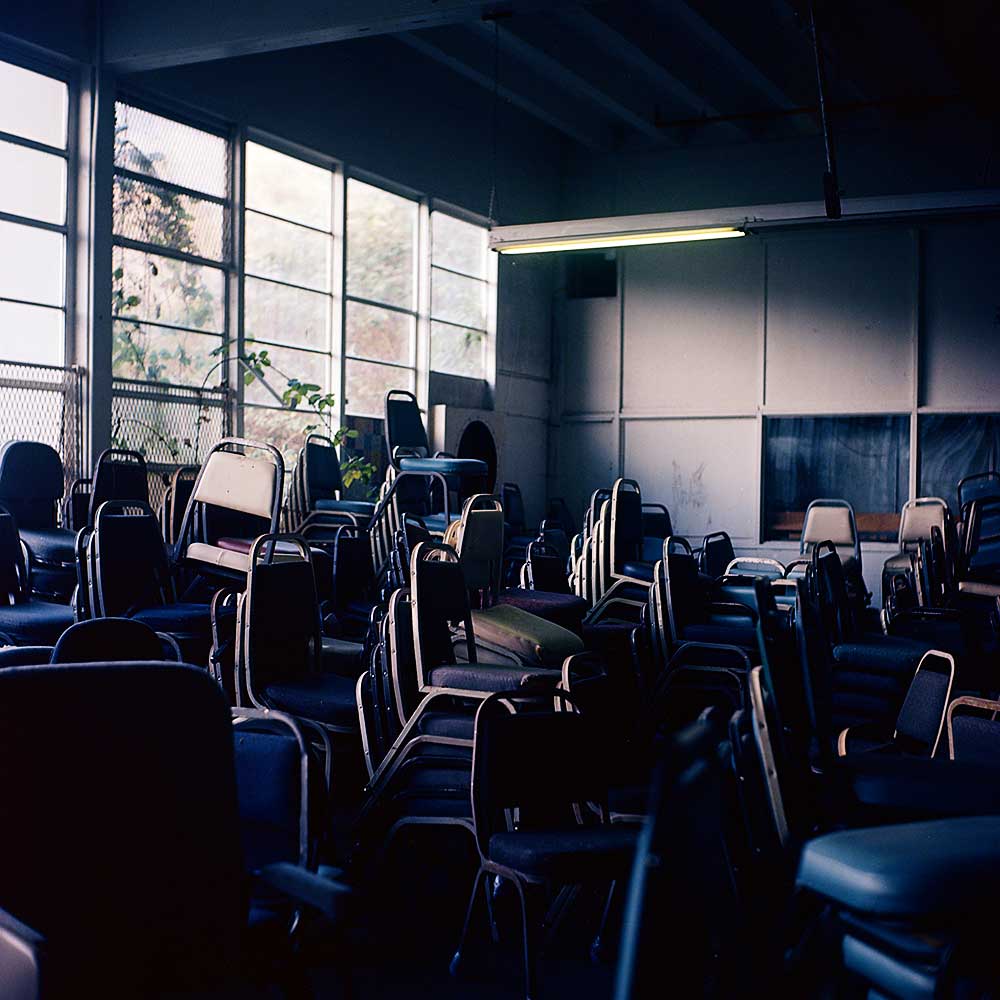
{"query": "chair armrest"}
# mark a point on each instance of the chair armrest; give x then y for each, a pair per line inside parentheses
(867, 731)
(303, 886)
(22, 952)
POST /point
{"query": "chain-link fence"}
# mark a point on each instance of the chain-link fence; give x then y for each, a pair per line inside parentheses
(44, 403)
(169, 425)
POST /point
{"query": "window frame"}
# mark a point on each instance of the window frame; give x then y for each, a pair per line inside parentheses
(62, 71)
(228, 265)
(334, 296)
(491, 290)
(420, 331)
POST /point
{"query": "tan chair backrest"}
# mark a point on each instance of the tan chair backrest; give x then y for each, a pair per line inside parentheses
(828, 523)
(238, 482)
(918, 517)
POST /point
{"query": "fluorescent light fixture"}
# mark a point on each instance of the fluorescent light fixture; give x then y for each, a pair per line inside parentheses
(611, 240)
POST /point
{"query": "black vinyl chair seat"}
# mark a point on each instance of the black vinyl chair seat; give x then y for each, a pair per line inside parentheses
(326, 698)
(52, 545)
(889, 654)
(638, 570)
(490, 677)
(341, 656)
(363, 508)
(25, 656)
(445, 466)
(184, 619)
(35, 623)
(940, 868)
(601, 852)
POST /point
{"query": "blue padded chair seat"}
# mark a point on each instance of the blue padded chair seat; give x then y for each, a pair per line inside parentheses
(25, 656)
(56, 545)
(639, 570)
(889, 654)
(360, 507)
(445, 466)
(940, 868)
(490, 677)
(35, 623)
(180, 619)
(599, 852)
(449, 781)
(458, 727)
(326, 698)
(566, 610)
(911, 788)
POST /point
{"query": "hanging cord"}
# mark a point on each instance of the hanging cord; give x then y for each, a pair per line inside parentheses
(494, 126)
(831, 192)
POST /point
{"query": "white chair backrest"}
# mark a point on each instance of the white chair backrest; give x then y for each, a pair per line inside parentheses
(238, 482)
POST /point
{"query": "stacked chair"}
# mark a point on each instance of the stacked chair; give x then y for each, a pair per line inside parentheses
(316, 487)
(409, 451)
(32, 483)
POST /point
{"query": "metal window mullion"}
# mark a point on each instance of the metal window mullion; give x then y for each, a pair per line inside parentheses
(423, 261)
(338, 307)
(118, 318)
(462, 326)
(23, 220)
(163, 251)
(284, 284)
(289, 222)
(413, 313)
(232, 371)
(460, 274)
(27, 302)
(44, 147)
(383, 364)
(181, 189)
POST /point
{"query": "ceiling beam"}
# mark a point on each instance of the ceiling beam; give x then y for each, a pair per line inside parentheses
(574, 84)
(139, 37)
(628, 53)
(694, 24)
(560, 123)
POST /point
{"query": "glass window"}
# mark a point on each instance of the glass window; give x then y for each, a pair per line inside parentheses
(380, 332)
(288, 188)
(955, 445)
(460, 296)
(288, 291)
(171, 229)
(381, 245)
(33, 109)
(368, 383)
(864, 460)
(33, 106)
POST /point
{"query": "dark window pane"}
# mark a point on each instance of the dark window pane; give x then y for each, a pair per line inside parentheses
(953, 446)
(864, 460)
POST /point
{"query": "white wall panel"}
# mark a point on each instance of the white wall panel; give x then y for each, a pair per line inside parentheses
(693, 321)
(840, 315)
(705, 471)
(524, 316)
(587, 460)
(523, 461)
(961, 328)
(589, 352)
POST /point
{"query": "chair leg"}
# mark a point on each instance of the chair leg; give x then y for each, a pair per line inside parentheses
(530, 919)
(458, 965)
(598, 947)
